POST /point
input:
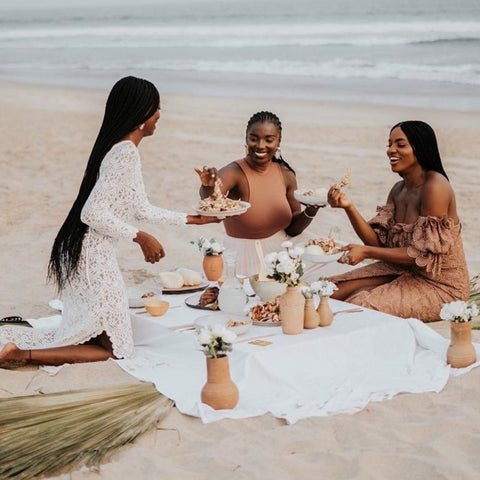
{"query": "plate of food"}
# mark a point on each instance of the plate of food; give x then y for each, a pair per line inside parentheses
(182, 280)
(239, 324)
(322, 250)
(223, 212)
(266, 314)
(207, 300)
(219, 205)
(312, 196)
(137, 294)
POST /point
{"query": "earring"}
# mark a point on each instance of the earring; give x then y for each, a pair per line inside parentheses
(278, 153)
(141, 126)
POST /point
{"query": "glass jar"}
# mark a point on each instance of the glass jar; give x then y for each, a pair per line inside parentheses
(231, 296)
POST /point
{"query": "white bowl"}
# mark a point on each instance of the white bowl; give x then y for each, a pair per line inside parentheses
(225, 319)
(311, 196)
(135, 299)
(267, 290)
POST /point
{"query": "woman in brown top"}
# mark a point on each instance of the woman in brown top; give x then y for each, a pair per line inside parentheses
(415, 236)
(265, 180)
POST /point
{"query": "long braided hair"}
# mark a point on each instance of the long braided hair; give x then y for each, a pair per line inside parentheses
(424, 144)
(261, 117)
(130, 103)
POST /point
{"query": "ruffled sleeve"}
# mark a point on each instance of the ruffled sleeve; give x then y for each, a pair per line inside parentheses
(432, 237)
(383, 222)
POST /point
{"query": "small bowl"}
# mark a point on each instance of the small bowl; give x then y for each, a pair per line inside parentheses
(156, 307)
(267, 290)
(136, 294)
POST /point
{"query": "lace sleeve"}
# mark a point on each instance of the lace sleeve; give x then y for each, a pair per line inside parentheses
(108, 193)
(146, 212)
(432, 237)
(383, 222)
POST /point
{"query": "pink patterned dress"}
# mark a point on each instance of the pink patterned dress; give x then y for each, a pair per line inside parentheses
(439, 275)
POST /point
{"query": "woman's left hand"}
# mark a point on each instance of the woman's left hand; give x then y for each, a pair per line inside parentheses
(354, 254)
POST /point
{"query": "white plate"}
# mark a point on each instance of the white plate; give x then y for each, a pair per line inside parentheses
(223, 319)
(135, 293)
(230, 213)
(319, 200)
(326, 258)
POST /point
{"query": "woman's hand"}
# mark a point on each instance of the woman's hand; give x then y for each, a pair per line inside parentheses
(338, 199)
(208, 176)
(202, 219)
(152, 249)
(354, 254)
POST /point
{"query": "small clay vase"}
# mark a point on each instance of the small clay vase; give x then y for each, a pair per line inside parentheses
(219, 392)
(461, 352)
(311, 318)
(292, 306)
(213, 266)
(325, 313)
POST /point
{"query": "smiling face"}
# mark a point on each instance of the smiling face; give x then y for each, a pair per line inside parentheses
(400, 152)
(263, 139)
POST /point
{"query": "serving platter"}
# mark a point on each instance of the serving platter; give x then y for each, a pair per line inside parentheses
(135, 292)
(326, 257)
(186, 289)
(226, 213)
(193, 300)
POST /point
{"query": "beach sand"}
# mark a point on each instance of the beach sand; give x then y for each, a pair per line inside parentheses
(46, 137)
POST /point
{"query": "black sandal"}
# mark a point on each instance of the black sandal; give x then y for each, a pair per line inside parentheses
(14, 320)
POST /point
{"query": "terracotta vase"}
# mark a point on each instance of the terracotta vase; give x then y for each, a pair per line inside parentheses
(213, 266)
(219, 392)
(311, 317)
(461, 352)
(292, 306)
(325, 313)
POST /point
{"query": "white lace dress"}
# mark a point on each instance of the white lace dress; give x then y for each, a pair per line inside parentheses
(96, 301)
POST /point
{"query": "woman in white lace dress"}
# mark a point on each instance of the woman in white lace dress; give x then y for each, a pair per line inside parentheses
(95, 319)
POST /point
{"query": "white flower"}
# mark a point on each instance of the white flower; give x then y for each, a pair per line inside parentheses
(216, 247)
(283, 257)
(326, 288)
(218, 330)
(296, 252)
(287, 244)
(229, 336)
(458, 311)
(271, 257)
(307, 292)
(204, 337)
(316, 286)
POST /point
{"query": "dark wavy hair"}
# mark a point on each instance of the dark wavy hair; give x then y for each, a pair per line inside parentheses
(261, 117)
(130, 103)
(424, 144)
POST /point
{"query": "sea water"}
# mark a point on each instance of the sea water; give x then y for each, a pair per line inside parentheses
(391, 51)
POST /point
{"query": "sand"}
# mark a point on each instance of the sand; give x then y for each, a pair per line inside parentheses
(46, 137)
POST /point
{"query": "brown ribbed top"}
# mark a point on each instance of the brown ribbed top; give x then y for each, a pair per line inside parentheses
(270, 211)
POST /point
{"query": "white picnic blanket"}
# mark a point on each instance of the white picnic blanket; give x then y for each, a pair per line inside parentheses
(361, 357)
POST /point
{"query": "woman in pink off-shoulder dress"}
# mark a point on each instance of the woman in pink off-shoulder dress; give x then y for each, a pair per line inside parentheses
(415, 237)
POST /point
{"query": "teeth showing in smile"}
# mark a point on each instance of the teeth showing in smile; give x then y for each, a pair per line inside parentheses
(260, 155)
(393, 159)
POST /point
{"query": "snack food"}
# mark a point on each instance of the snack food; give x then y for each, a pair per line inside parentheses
(171, 279)
(327, 246)
(218, 202)
(148, 295)
(318, 192)
(345, 180)
(209, 297)
(266, 312)
(190, 277)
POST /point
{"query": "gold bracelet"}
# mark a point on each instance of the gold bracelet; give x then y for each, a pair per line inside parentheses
(307, 215)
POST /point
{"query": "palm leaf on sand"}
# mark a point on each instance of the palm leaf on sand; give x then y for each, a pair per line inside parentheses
(42, 434)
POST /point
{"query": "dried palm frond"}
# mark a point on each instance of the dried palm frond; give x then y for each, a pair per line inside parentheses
(41, 434)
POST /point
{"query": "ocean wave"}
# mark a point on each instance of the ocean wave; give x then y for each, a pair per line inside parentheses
(246, 35)
(466, 74)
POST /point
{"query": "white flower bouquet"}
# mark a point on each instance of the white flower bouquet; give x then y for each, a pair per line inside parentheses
(208, 247)
(458, 311)
(216, 340)
(286, 266)
(323, 287)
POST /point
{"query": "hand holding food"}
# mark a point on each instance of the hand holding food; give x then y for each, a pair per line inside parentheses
(218, 202)
(336, 197)
(208, 176)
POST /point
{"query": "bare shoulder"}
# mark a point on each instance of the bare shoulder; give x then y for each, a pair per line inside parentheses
(289, 177)
(437, 196)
